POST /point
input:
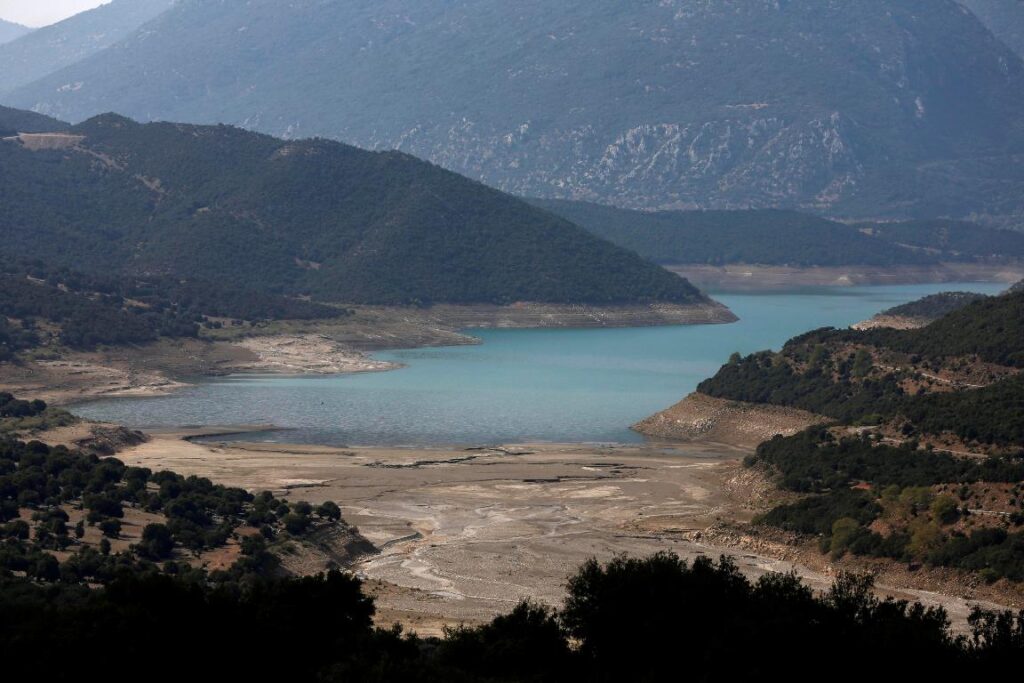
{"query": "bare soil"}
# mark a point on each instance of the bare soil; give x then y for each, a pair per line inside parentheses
(703, 419)
(465, 534)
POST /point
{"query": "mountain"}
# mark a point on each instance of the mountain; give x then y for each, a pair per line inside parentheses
(887, 108)
(10, 31)
(231, 207)
(918, 416)
(17, 121)
(54, 47)
(925, 311)
(778, 237)
(1005, 18)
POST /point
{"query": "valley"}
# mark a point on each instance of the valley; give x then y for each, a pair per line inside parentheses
(531, 342)
(466, 534)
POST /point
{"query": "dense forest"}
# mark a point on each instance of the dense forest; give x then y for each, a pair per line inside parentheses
(992, 329)
(226, 207)
(786, 238)
(902, 482)
(819, 372)
(885, 489)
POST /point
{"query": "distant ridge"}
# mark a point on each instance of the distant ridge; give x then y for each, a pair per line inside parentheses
(1005, 18)
(891, 109)
(790, 238)
(308, 217)
(46, 50)
(10, 31)
(17, 121)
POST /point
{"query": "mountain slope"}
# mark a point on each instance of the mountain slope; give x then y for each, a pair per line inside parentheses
(889, 107)
(775, 237)
(1005, 18)
(17, 121)
(310, 217)
(10, 31)
(54, 47)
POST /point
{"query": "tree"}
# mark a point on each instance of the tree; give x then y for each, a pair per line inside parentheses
(844, 530)
(111, 528)
(944, 510)
(329, 510)
(295, 524)
(157, 542)
(862, 363)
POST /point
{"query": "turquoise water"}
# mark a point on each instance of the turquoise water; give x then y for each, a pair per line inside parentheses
(519, 385)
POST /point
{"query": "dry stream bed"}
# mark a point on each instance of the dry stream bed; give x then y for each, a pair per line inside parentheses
(465, 534)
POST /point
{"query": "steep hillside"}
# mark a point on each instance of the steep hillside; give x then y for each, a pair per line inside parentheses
(62, 44)
(223, 205)
(1005, 18)
(777, 237)
(10, 31)
(896, 108)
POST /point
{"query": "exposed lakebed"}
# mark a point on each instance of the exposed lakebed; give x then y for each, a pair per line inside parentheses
(566, 385)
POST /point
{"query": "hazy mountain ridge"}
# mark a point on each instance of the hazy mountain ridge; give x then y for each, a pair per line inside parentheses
(10, 31)
(787, 238)
(1005, 18)
(17, 121)
(54, 47)
(665, 104)
(220, 204)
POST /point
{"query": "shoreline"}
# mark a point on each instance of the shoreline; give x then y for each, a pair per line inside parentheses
(700, 419)
(314, 348)
(465, 533)
(753, 277)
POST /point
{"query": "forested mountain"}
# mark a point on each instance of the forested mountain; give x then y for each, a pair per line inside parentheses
(10, 31)
(59, 45)
(894, 108)
(934, 306)
(226, 206)
(14, 121)
(1005, 18)
(879, 374)
(779, 237)
(923, 460)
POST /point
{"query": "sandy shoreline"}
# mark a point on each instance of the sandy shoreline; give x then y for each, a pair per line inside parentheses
(466, 533)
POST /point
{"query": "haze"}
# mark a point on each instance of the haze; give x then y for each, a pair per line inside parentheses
(33, 13)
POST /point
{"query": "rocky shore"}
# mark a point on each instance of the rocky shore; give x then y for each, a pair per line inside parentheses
(700, 418)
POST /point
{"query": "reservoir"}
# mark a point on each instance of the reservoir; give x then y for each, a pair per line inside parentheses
(577, 385)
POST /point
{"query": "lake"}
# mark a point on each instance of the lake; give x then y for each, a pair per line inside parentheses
(518, 385)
